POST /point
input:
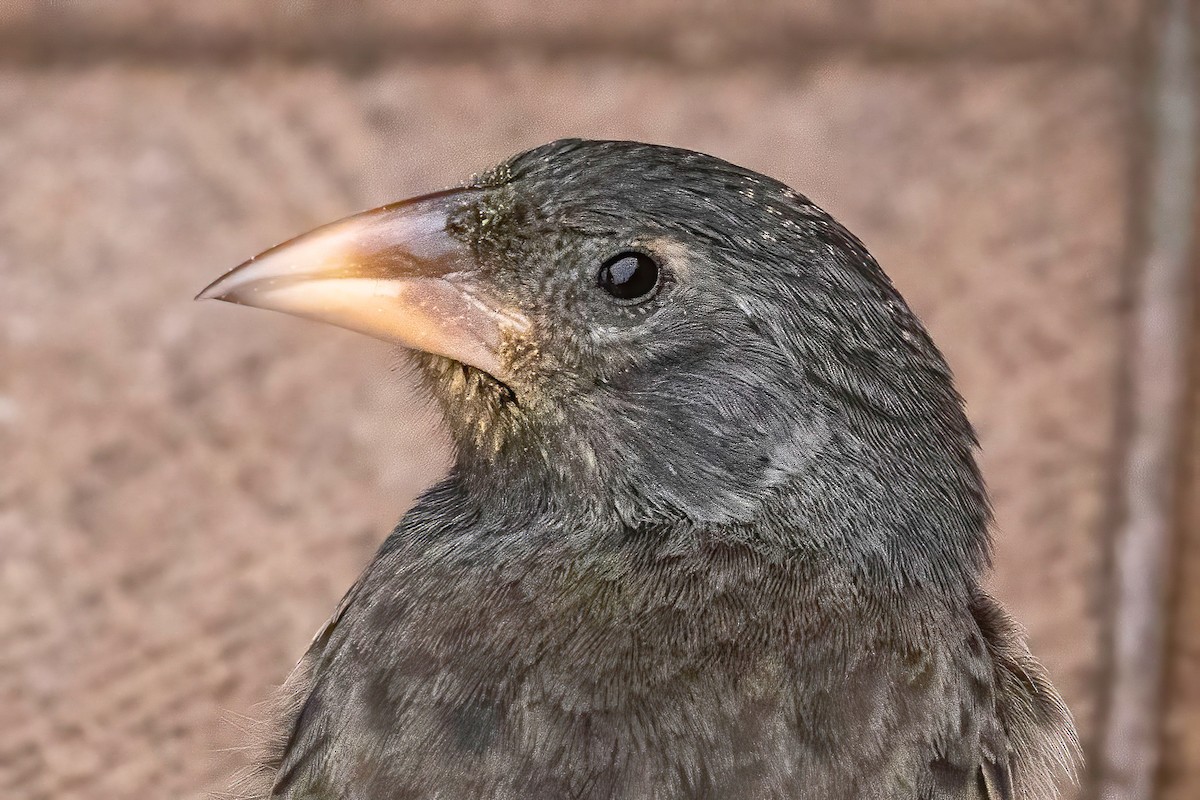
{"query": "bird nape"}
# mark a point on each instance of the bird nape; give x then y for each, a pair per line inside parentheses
(714, 527)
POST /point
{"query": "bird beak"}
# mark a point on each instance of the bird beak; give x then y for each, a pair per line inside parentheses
(393, 273)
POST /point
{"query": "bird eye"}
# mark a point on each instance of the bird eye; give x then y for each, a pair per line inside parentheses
(629, 275)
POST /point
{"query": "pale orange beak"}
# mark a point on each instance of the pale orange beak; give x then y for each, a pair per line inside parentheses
(393, 273)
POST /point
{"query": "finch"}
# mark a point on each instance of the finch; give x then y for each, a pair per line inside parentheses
(714, 526)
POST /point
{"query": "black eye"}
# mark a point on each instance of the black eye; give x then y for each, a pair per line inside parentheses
(629, 275)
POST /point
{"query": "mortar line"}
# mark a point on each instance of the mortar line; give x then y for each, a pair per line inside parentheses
(358, 50)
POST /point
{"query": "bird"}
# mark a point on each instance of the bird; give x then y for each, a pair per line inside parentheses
(714, 525)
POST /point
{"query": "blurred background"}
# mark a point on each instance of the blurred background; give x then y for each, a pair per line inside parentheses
(187, 489)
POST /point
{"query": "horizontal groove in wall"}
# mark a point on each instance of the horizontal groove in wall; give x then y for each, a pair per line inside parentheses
(355, 48)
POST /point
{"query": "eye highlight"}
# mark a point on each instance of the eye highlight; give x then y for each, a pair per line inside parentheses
(629, 276)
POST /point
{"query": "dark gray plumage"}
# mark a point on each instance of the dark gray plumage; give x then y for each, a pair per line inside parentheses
(725, 542)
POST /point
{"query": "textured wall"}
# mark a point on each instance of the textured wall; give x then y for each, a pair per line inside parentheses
(188, 488)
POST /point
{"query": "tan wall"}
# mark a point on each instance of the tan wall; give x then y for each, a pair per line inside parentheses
(192, 487)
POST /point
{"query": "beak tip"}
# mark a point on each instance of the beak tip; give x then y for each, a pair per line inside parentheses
(219, 289)
(209, 292)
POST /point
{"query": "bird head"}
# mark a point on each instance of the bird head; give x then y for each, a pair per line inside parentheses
(657, 337)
